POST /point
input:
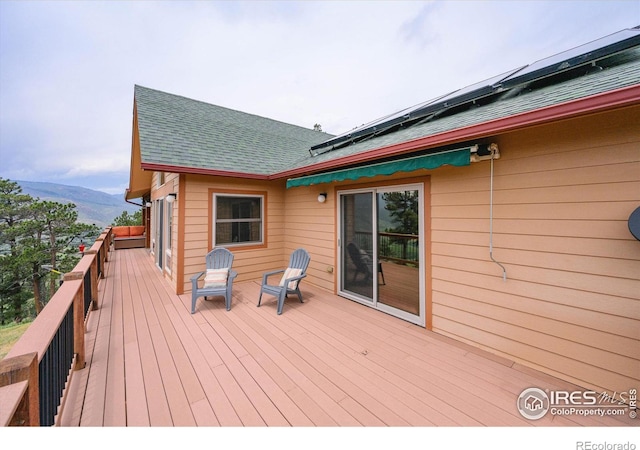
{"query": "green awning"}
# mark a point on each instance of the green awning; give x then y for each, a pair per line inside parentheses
(459, 157)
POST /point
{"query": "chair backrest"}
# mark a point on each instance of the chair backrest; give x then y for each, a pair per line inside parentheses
(299, 260)
(219, 258)
(356, 256)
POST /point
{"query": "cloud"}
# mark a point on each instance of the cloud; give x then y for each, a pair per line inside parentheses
(67, 69)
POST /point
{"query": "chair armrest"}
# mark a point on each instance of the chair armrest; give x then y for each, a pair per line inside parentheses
(194, 281)
(232, 275)
(196, 276)
(268, 274)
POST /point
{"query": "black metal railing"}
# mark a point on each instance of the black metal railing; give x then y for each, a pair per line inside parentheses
(398, 247)
(54, 369)
(53, 345)
(87, 291)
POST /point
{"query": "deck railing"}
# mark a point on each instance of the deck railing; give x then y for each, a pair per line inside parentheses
(35, 372)
(397, 247)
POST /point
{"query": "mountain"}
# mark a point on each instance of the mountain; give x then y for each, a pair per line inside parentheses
(92, 206)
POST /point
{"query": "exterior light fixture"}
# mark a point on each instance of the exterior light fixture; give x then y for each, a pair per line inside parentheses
(148, 204)
(172, 197)
(322, 197)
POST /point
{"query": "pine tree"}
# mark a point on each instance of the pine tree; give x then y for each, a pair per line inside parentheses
(38, 240)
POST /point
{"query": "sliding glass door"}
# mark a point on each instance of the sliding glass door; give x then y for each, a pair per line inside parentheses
(381, 248)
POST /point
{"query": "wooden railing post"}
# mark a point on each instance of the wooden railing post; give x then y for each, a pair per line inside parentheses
(18, 369)
(78, 320)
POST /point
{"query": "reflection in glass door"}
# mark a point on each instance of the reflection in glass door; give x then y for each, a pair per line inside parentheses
(399, 250)
(357, 245)
(159, 226)
(381, 248)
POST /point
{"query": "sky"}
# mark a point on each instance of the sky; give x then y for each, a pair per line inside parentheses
(68, 68)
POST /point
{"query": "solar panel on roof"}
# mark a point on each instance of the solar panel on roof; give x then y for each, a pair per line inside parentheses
(576, 57)
(419, 111)
(561, 62)
(372, 126)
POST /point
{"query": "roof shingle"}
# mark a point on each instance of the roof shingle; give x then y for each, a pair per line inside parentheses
(179, 132)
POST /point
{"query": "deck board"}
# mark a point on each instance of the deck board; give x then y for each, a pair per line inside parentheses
(325, 362)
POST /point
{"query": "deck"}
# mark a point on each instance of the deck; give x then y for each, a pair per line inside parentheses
(325, 362)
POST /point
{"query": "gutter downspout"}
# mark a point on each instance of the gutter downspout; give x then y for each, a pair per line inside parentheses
(135, 204)
(494, 149)
(129, 201)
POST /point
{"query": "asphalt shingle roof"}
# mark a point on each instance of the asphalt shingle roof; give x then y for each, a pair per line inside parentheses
(624, 71)
(178, 131)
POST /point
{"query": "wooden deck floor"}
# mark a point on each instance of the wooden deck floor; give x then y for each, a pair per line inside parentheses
(326, 362)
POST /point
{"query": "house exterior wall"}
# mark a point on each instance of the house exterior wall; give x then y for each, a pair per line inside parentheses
(162, 185)
(250, 262)
(563, 193)
(311, 225)
(562, 197)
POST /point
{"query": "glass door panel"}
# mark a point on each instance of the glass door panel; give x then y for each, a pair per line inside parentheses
(159, 234)
(357, 245)
(380, 249)
(398, 245)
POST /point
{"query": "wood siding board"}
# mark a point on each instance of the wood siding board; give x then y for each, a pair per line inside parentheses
(569, 211)
(610, 267)
(570, 322)
(535, 336)
(561, 245)
(620, 287)
(597, 229)
(613, 308)
(552, 363)
(560, 212)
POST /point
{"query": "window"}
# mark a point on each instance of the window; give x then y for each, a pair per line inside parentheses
(238, 219)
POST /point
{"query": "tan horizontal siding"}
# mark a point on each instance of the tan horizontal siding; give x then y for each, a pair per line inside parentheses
(556, 364)
(561, 245)
(311, 225)
(562, 197)
(616, 312)
(250, 263)
(524, 330)
(565, 320)
(594, 265)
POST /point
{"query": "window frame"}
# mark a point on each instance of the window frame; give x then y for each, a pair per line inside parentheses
(260, 195)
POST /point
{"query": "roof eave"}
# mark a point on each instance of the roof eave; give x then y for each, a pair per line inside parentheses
(618, 98)
(202, 171)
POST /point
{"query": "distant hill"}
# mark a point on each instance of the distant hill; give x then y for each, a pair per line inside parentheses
(93, 207)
